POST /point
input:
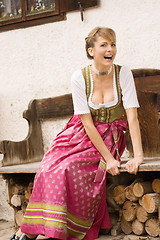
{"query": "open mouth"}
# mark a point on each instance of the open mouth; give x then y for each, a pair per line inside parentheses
(109, 57)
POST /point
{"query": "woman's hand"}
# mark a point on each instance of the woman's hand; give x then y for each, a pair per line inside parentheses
(133, 164)
(112, 166)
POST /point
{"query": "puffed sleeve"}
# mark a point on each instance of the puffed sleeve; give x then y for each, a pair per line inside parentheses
(80, 103)
(129, 95)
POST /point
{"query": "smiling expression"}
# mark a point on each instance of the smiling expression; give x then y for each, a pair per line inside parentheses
(103, 53)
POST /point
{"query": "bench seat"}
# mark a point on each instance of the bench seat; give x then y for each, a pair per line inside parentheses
(149, 164)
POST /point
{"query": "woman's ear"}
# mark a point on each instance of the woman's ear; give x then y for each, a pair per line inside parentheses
(91, 52)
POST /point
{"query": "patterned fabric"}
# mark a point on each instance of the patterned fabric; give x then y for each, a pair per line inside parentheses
(68, 199)
(109, 114)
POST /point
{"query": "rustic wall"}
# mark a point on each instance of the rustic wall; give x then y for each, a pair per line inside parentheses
(37, 62)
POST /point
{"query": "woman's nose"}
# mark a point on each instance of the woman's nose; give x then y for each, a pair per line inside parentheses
(109, 47)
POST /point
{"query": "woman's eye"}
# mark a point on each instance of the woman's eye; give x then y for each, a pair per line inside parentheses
(113, 44)
(103, 45)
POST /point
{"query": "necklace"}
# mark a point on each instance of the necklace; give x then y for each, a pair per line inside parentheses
(102, 73)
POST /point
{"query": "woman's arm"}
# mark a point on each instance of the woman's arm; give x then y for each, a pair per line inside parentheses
(134, 129)
(95, 137)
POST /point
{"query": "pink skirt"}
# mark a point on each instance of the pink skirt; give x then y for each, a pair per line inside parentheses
(69, 195)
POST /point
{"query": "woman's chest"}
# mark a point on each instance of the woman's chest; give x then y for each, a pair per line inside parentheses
(103, 92)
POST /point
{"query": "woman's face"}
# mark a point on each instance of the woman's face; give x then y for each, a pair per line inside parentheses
(103, 52)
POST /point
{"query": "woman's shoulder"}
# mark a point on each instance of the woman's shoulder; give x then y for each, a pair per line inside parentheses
(77, 75)
(77, 78)
(125, 70)
(77, 72)
(125, 76)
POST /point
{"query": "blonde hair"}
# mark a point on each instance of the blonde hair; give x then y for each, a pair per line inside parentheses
(104, 32)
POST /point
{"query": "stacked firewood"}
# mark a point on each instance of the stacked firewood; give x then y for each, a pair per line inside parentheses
(19, 198)
(138, 206)
(133, 209)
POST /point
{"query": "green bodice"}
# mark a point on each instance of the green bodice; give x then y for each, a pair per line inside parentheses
(104, 114)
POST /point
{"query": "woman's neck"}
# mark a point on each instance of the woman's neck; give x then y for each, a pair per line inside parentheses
(102, 72)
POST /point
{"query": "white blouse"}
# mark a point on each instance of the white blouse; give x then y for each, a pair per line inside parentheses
(129, 96)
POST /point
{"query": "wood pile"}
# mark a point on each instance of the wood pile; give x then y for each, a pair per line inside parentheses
(134, 209)
(138, 207)
(19, 198)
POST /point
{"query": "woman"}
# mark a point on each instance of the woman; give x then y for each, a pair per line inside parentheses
(69, 196)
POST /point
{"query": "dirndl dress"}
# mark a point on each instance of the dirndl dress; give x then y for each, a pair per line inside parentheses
(68, 200)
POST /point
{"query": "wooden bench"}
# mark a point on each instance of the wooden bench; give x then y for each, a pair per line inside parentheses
(25, 156)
